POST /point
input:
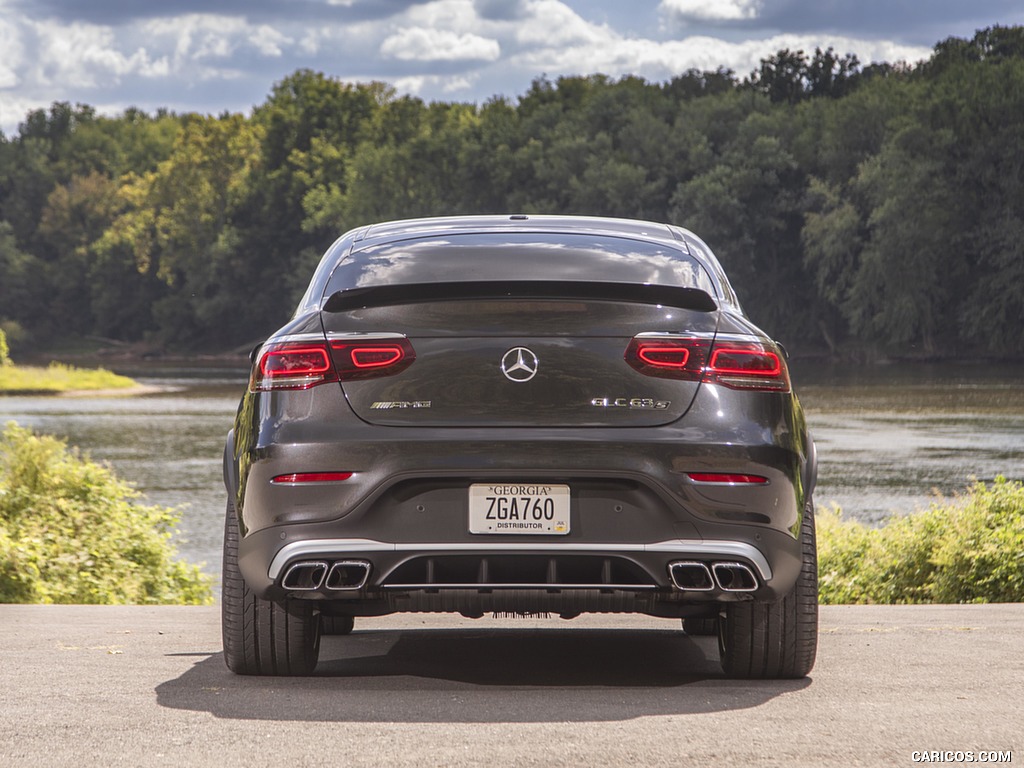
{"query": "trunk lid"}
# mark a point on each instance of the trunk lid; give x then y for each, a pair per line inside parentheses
(519, 362)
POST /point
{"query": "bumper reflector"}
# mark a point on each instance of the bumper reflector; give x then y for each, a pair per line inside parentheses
(311, 477)
(723, 478)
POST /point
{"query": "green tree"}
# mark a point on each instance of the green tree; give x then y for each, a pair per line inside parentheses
(983, 105)
(76, 215)
(882, 248)
(178, 225)
(21, 290)
(749, 208)
(308, 130)
(791, 76)
(694, 83)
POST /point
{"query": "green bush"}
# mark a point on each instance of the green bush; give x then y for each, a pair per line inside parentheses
(5, 351)
(72, 532)
(969, 549)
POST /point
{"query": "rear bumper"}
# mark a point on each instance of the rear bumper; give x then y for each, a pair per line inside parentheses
(365, 549)
(558, 576)
(404, 511)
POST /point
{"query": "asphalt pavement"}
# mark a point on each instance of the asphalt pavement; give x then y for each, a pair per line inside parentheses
(140, 686)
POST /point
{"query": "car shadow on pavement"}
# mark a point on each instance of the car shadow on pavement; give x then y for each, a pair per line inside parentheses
(530, 675)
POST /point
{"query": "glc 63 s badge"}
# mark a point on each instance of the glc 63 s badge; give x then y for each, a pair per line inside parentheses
(631, 402)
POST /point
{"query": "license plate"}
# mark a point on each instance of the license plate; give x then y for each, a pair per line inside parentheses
(519, 508)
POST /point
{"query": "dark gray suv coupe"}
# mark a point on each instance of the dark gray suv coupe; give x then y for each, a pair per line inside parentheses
(523, 415)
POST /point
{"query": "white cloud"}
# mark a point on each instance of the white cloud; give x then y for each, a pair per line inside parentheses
(199, 35)
(268, 40)
(14, 109)
(412, 85)
(310, 42)
(85, 55)
(553, 23)
(418, 44)
(415, 84)
(455, 15)
(11, 61)
(717, 10)
(663, 60)
(456, 84)
(214, 37)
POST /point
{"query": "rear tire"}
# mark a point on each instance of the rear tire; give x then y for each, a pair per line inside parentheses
(263, 637)
(776, 640)
(699, 626)
(336, 625)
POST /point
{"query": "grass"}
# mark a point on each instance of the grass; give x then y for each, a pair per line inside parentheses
(58, 378)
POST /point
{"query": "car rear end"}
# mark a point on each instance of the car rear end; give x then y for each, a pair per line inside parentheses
(520, 417)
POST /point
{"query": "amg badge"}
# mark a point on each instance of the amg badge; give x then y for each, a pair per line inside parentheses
(387, 405)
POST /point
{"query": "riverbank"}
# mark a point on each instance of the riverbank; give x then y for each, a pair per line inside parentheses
(60, 378)
(94, 352)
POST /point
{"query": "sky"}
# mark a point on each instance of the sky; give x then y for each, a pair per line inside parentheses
(212, 57)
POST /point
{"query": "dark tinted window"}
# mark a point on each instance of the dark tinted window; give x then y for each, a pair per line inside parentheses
(519, 256)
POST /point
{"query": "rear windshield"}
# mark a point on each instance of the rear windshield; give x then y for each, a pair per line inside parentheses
(519, 256)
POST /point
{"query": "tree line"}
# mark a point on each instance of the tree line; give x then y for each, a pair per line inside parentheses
(860, 210)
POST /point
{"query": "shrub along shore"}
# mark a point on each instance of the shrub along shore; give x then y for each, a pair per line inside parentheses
(968, 549)
(72, 532)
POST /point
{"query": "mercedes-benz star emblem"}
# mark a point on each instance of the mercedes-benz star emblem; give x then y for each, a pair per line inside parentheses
(519, 364)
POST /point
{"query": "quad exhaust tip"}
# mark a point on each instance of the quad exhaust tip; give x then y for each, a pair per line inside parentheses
(734, 577)
(311, 575)
(348, 575)
(305, 576)
(694, 576)
(691, 576)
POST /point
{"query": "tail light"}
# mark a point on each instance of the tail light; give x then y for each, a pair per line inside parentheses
(754, 365)
(748, 365)
(675, 358)
(301, 365)
(292, 365)
(371, 359)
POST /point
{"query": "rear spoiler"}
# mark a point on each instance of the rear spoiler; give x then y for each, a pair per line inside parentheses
(418, 293)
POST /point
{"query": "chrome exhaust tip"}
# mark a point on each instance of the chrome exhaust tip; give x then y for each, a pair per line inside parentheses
(691, 576)
(734, 577)
(305, 576)
(348, 575)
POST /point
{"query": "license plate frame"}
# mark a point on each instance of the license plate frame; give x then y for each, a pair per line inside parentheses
(532, 509)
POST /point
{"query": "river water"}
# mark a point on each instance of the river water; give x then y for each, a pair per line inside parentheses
(889, 437)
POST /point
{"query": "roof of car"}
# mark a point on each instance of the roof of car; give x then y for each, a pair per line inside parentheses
(399, 230)
(385, 235)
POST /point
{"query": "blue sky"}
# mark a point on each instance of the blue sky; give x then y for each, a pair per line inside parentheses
(195, 55)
